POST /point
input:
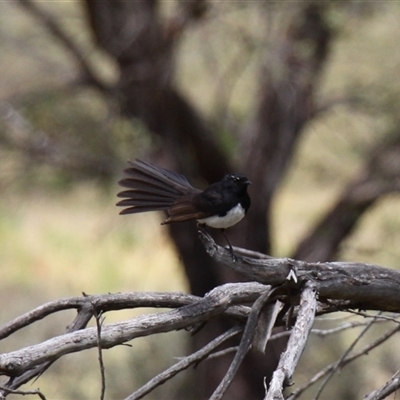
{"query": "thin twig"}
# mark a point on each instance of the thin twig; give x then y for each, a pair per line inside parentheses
(376, 316)
(280, 335)
(296, 393)
(325, 318)
(36, 392)
(99, 323)
(344, 355)
(185, 363)
(343, 327)
(244, 345)
(223, 352)
(391, 386)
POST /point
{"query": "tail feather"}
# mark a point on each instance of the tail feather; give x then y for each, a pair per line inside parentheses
(152, 188)
(148, 193)
(157, 205)
(156, 174)
(145, 201)
(139, 209)
(147, 182)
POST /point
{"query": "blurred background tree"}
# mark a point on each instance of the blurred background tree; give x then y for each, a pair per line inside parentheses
(301, 97)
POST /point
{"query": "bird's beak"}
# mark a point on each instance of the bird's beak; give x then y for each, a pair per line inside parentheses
(248, 182)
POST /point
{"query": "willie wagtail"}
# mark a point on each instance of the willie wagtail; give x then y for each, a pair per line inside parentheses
(153, 188)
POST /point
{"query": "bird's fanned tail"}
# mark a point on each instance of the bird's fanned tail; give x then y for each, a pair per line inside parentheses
(153, 188)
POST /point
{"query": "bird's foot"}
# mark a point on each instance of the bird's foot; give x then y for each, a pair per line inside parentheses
(230, 248)
(234, 258)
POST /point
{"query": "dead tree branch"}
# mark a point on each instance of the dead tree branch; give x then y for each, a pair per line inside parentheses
(362, 352)
(214, 303)
(363, 286)
(388, 388)
(285, 294)
(283, 374)
(244, 346)
(194, 358)
(108, 302)
(99, 322)
(342, 358)
(36, 392)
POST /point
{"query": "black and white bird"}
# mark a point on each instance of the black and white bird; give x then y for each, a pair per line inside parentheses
(153, 188)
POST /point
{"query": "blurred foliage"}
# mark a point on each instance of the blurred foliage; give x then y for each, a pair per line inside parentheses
(57, 242)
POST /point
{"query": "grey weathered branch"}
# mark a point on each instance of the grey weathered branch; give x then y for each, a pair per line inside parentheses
(282, 376)
(186, 362)
(214, 303)
(104, 302)
(337, 285)
(339, 362)
(364, 286)
(99, 322)
(388, 388)
(349, 325)
(36, 392)
(245, 344)
(362, 352)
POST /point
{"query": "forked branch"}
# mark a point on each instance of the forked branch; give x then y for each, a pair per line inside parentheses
(363, 286)
(286, 292)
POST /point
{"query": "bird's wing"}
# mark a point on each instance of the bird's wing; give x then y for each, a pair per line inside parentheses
(194, 207)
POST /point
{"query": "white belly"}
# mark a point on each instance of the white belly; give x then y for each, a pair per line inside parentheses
(230, 219)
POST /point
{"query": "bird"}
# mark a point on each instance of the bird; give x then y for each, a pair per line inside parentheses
(150, 187)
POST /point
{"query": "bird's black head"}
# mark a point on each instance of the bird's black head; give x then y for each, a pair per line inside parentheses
(237, 181)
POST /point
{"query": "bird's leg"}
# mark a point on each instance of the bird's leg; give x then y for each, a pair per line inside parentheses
(230, 246)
